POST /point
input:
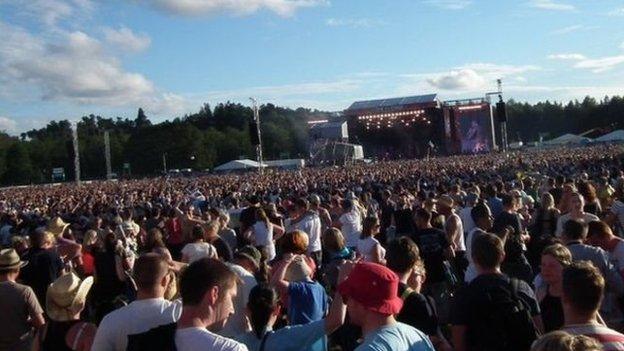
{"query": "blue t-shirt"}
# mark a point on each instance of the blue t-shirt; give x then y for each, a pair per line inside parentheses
(308, 302)
(396, 337)
(292, 337)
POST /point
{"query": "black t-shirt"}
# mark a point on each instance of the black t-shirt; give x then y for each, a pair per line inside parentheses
(505, 219)
(403, 219)
(466, 309)
(419, 311)
(43, 267)
(432, 242)
(223, 249)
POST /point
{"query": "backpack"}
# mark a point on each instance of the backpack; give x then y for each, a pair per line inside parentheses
(502, 320)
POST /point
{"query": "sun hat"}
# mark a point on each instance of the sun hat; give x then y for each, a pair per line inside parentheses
(57, 226)
(446, 200)
(250, 253)
(9, 259)
(373, 286)
(315, 199)
(66, 296)
(298, 269)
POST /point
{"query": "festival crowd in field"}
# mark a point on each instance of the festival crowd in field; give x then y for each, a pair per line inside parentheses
(505, 251)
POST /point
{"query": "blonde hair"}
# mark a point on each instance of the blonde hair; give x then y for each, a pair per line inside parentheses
(333, 240)
(559, 253)
(561, 341)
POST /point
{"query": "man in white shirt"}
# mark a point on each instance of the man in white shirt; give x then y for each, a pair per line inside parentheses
(308, 222)
(150, 310)
(350, 223)
(208, 288)
(246, 263)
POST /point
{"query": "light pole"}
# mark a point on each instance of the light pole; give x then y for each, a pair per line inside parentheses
(164, 159)
(256, 117)
(76, 153)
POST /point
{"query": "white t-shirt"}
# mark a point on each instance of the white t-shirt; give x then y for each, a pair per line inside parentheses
(237, 323)
(138, 317)
(466, 218)
(351, 227)
(366, 247)
(197, 339)
(197, 251)
(587, 217)
(311, 225)
(263, 236)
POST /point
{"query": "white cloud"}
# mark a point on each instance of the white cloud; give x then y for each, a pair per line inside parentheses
(571, 29)
(278, 92)
(619, 12)
(70, 67)
(596, 65)
(602, 64)
(573, 57)
(284, 8)
(124, 39)
(464, 79)
(353, 22)
(449, 4)
(551, 5)
(50, 12)
(7, 124)
(474, 77)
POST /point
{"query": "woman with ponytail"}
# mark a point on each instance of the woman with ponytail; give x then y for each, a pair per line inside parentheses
(263, 310)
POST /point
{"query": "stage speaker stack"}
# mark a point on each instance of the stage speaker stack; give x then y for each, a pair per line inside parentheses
(253, 134)
(501, 112)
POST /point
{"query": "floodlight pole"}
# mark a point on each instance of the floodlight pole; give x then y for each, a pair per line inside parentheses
(76, 152)
(107, 155)
(256, 117)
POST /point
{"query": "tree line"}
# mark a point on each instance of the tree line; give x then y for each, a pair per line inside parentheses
(216, 135)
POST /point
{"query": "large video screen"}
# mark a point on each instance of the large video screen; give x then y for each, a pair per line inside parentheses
(474, 128)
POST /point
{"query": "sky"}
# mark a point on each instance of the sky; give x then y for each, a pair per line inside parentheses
(62, 59)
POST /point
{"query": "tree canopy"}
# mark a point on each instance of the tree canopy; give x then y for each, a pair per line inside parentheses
(216, 135)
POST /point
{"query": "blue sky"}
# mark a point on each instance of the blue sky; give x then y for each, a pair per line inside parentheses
(61, 59)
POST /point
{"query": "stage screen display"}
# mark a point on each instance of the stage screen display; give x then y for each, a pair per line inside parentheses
(474, 128)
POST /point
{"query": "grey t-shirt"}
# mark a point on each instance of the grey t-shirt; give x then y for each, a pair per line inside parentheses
(17, 303)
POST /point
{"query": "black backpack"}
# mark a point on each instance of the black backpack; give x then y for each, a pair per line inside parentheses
(502, 321)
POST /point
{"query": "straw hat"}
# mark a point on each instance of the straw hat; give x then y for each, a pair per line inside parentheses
(9, 259)
(57, 226)
(66, 296)
(298, 270)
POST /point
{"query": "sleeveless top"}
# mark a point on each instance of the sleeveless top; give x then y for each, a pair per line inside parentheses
(552, 312)
(55, 336)
(459, 241)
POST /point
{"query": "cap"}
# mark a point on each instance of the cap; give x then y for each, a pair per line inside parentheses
(373, 286)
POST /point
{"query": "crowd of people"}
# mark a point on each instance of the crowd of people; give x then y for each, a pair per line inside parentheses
(503, 251)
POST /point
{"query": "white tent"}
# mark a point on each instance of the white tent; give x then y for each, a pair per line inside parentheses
(568, 139)
(237, 165)
(292, 163)
(616, 135)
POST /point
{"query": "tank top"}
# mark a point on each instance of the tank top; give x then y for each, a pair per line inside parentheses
(55, 336)
(458, 240)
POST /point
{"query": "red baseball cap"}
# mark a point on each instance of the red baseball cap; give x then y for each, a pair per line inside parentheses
(373, 286)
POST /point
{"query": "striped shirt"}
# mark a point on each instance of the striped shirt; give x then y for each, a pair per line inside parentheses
(609, 338)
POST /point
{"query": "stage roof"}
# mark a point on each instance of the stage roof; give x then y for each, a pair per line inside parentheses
(393, 102)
